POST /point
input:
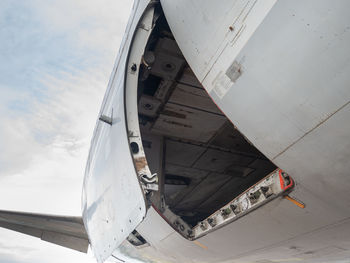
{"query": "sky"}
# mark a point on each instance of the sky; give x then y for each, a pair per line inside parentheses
(55, 60)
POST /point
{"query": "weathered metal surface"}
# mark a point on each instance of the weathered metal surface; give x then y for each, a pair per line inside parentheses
(148, 106)
(283, 81)
(203, 29)
(193, 97)
(61, 230)
(113, 202)
(148, 180)
(140, 163)
(272, 186)
(185, 122)
(291, 100)
(219, 161)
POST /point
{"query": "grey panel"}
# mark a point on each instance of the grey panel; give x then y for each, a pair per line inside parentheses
(320, 163)
(182, 154)
(163, 90)
(239, 171)
(205, 188)
(61, 230)
(262, 164)
(148, 106)
(167, 66)
(231, 138)
(194, 174)
(219, 161)
(228, 190)
(72, 242)
(322, 245)
(168, 61)
(295, 74)
(153, 147)
(242, 179)
(189, 78)
(187, 123)
(172, 191)
(193, 97)
(168, 46)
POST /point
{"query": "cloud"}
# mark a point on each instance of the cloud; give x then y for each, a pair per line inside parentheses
(56, 131)
(58, 58)
(86, 28)
(55, 62)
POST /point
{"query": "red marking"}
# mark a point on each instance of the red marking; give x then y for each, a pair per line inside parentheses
(284, 187)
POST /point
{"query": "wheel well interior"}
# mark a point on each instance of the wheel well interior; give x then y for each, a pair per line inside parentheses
(201, 159)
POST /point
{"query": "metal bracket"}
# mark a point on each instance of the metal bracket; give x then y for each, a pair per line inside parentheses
(107, 119)
(150, 183)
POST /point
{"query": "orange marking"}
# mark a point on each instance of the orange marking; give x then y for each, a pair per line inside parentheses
(301, 205)
(200, 244)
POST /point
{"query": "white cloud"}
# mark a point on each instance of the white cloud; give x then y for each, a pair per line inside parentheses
(47, 119)
(82, 19)
(48, 147)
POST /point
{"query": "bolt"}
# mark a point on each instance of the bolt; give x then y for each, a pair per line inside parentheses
(134, 67)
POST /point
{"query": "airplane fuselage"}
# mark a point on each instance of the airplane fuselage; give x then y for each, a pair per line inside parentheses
(206, 101)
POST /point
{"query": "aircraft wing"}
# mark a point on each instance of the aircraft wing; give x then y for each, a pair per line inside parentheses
(65, 231)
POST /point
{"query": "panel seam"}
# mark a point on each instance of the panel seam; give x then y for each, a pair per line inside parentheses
(314, 128)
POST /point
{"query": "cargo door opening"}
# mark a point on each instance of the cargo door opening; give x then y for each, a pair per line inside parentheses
(201, 159)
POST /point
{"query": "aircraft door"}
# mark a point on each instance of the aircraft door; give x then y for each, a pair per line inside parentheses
(113, 199)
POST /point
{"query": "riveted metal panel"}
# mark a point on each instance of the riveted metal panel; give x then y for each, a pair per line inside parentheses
(113, 201)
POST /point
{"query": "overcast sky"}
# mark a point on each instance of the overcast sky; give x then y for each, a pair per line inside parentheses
(55, 60)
